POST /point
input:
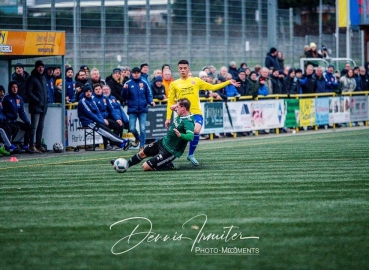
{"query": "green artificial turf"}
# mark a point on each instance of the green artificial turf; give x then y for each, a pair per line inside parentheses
(305, 196)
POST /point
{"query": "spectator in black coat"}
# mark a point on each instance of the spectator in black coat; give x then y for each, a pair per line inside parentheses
(36, 89)
(271, 61)
(157, 87)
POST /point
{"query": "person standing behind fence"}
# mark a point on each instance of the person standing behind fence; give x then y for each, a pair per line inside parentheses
(95, 77)
(308, 82)
(331, 80)
(347, 82)
(37, 93)
(189, 87)
(167, 80)
(20, 76)
(243, 89)
(70, 86)
(321, 84)
(145, 74)
(271, 59)
(364, 79)
(277, 82)
(291, 83)
(115, 83)
(138, 96)
(50, 82)
(81, 80)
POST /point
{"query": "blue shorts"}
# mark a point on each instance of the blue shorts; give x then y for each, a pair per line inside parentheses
(198, 119)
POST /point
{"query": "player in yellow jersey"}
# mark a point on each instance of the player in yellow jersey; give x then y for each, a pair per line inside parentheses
(189, 87)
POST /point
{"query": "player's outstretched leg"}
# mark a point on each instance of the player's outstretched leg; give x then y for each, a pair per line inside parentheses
(125, 144)
(193, 145)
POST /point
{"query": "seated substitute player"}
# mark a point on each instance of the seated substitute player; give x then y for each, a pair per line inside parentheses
(172, 145)
(90, 116)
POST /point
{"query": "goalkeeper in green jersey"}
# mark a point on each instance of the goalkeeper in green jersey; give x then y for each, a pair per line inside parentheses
(172, 145)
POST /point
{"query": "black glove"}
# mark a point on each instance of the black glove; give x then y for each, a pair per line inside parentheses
(288, 95)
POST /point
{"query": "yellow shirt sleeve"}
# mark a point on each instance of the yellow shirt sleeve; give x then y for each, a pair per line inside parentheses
(189, 89)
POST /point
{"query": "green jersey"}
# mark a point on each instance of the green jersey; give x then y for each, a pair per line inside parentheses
(176, 145)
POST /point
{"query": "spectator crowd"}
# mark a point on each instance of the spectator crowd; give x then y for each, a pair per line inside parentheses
(100, 101)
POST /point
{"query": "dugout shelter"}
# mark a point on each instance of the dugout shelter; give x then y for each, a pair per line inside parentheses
(27, 47)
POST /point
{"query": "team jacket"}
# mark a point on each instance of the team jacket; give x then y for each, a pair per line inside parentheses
(137, 95)
(88, 112)
(70, 89)
(118, 110)
(13, 106)
(105, 108)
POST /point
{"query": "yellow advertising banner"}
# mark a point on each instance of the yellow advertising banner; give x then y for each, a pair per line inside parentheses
(25, 43)
(307, 112)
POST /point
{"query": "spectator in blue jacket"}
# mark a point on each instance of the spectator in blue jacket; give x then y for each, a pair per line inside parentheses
(111, 119)
(138, 96)
(8, 129)
(50, 82)
(70, 90)
(117, 107)
(321, 84)
(13, 107)
(331, 80)
(90, 116)
(144, 68)
(230, 89)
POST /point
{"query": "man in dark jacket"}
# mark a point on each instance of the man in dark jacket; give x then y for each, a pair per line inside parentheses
(157, 87)
(116, 85)
(243, 89)
(20, 76)
(90, 116)
(36, 89)
(321, 84)
(331, 80)
(138, 95)
(308, 83)
(364, 79)
(13, 107)
(271, 59)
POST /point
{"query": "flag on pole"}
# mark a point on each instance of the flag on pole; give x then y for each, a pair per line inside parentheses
(356, 9)
(342, 13)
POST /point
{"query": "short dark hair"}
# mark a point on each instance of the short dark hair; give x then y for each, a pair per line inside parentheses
(184, 102)
(183, 62)
(97, 85)
(81, 70)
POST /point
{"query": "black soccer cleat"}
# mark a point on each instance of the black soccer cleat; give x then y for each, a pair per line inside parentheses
(112, 161)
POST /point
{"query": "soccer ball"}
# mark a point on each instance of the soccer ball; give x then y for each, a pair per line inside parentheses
(120, 165)
(58, 147)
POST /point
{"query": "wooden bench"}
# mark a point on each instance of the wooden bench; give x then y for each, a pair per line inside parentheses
(88, 132)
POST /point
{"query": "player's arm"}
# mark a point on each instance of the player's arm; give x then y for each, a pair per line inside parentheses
(188, 136)
(213, 87)
(171, 101)
(189, 127)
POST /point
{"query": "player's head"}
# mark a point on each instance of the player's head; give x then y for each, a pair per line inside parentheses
(183, 62)
(183, 68)
(184, 102)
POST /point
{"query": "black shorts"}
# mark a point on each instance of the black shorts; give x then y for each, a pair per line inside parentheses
(160, 156)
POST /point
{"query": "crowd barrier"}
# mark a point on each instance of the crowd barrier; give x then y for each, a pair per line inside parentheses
(246, 114)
